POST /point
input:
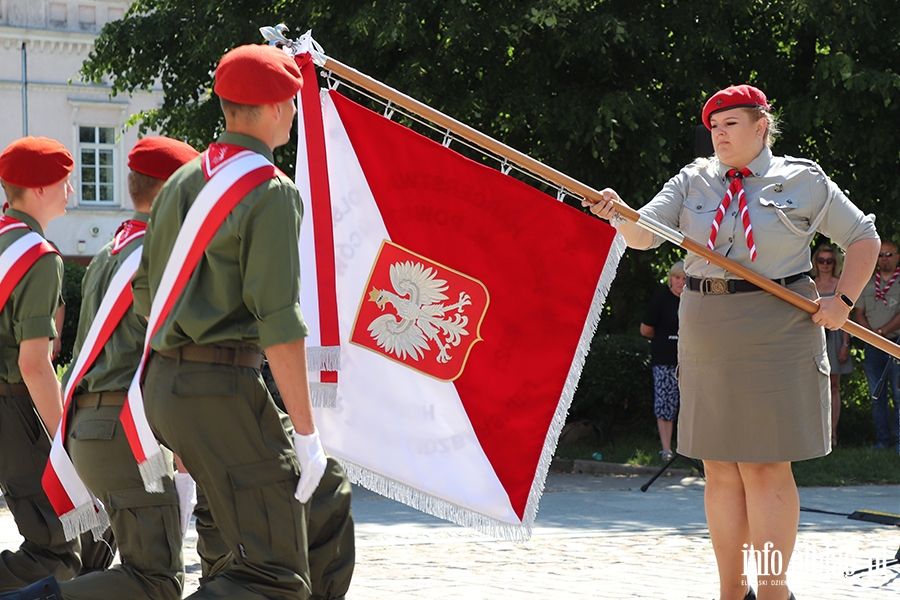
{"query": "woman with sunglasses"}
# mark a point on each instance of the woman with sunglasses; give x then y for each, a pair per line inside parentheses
(826, 271)
(752, 368)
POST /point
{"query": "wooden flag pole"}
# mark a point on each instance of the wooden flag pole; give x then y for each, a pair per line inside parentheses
(579, 189)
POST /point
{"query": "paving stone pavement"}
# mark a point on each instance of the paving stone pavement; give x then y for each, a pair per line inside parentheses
(599, 537)
(602, 538)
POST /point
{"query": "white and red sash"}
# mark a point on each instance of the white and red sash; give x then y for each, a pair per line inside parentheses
(19, 257)
(231, 173)
(77, 508)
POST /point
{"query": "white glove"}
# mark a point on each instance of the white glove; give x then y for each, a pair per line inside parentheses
(312, 464)
(187, 498)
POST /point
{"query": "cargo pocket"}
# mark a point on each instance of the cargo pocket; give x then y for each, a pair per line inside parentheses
(143, 523)
(34, 516)
(95, 429)
(270, 520)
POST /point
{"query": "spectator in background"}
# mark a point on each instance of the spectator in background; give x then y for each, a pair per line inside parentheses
(827, 265)
(660, 324)
(878, 309)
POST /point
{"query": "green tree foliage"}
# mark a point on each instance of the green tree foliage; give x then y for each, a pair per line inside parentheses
(607, 91)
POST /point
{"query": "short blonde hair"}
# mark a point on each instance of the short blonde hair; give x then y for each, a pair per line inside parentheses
(13, 192)
(249, 113)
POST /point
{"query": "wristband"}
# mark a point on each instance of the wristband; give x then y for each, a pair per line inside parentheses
(845, 300)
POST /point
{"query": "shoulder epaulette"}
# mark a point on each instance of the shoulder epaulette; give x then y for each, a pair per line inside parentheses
(802, 161)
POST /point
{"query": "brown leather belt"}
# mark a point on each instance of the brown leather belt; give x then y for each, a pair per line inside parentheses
(13, 389)
(217, 355)
(99, 399)
(709, 285)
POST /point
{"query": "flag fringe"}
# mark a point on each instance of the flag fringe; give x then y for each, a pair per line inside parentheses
(323, 358)
(616, 250)
(87, 517)
(323, 395)
(152, 471)
(434, 506)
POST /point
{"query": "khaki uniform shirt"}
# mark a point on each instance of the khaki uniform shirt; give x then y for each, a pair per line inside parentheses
(788, 199)
(246, 287)
(877, 312)
(114, 367)
(30, 311)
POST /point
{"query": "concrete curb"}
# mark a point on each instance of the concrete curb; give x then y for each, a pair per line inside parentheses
(599, 467)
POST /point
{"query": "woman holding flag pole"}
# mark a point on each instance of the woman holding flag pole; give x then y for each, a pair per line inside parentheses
(753, 372)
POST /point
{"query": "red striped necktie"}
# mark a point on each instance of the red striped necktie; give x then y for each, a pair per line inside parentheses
(735, 189)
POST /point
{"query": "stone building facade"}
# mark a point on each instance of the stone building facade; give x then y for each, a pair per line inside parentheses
(43, 44)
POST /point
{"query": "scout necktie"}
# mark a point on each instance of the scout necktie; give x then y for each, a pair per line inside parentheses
(127, 231)
(735, 189)
(880, 294)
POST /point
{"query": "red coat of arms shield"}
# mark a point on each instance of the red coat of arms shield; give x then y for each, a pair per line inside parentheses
(421, 313)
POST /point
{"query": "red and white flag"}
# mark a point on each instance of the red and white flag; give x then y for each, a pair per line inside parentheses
(463, 303)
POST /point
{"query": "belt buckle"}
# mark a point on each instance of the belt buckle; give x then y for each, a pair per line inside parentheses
(714, 286)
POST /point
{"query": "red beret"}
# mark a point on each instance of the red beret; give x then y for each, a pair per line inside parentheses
(159, 156)
(257, 74)
(31, 162)
(734, 97)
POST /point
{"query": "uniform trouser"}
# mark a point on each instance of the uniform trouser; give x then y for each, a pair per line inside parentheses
(24, 450)
(146, 525)
(332, 553)
(223, 424)
(97, 555)
(878, 364)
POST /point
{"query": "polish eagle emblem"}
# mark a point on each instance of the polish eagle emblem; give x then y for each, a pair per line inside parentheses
(420, 317)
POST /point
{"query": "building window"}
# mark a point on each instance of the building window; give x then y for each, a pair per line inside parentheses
(87, 18)
(58, 16)
(98, 150)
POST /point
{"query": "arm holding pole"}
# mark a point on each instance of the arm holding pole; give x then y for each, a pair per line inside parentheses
(607, 205)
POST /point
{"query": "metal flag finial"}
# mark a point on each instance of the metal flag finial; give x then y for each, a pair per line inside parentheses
(277, 36)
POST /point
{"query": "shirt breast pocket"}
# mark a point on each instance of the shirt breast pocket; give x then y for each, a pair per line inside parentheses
(790, 212)
(697, 215)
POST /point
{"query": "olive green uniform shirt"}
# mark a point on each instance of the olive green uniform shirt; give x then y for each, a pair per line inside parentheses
(30, 311)
(789, 200)
(246, 287)
(114, 367)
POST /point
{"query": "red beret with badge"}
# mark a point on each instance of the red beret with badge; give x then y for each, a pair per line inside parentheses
(737, 96)
(257, 74)
(35, 162)
(159, 156)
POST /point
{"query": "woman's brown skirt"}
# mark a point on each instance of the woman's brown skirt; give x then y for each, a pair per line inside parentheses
(753, 375)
